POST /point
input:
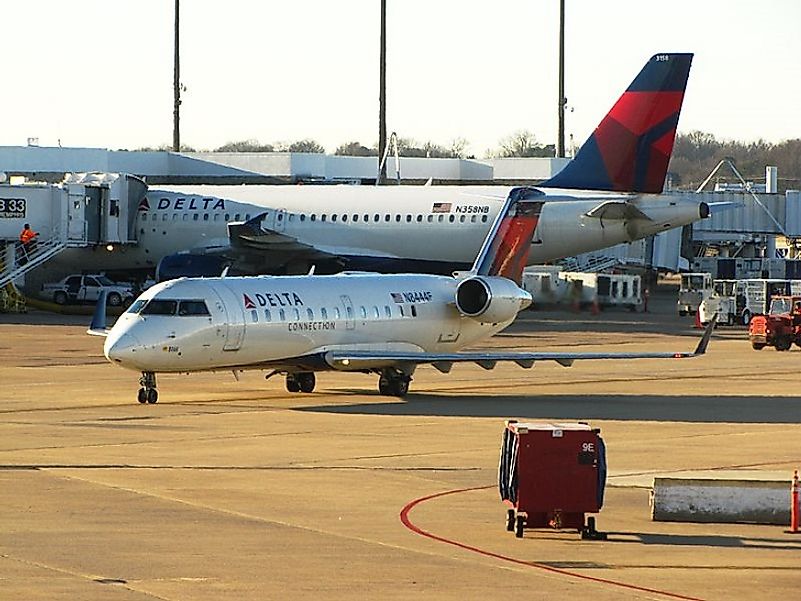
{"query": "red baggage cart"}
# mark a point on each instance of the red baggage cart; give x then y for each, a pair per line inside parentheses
(550, 475)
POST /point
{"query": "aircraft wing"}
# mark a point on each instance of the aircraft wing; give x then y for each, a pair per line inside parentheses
(361, 360)
(252, 237)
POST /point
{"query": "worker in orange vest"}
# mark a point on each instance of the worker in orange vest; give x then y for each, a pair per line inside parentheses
(27, 238)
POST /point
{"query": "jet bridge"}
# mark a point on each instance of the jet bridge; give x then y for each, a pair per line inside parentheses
(87, 209)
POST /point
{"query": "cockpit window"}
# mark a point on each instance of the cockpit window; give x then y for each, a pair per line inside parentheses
(160, 307)
(136, 307)
(192, 307)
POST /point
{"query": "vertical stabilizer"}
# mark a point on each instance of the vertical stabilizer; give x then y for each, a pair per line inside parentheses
(505, 250)
(630, 150)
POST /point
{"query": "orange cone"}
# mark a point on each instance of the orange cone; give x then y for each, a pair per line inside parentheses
(698, 323)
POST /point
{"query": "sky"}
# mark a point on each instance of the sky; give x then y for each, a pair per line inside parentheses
(99, 73)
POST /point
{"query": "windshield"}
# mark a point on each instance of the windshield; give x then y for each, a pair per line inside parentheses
(780, 305)
(136, 307)
(692, 282)
(160, 307)
(192, 307)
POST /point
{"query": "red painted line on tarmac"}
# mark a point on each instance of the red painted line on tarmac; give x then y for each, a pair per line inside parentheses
(406, 520)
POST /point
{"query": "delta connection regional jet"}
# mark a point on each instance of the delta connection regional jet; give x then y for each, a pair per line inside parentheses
(429, 229)
(363, 322)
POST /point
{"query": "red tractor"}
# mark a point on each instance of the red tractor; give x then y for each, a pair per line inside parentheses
(780, 328)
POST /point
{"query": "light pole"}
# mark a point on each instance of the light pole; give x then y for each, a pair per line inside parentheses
(176, 131)
(560, 142)
(382, 94)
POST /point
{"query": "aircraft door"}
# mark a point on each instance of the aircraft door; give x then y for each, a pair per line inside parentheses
(233, 314)
(279, 220)
(349, 314)
(93, 212)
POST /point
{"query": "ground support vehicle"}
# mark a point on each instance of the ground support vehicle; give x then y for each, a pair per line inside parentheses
(779, 328)
(86, 289)
(550, 475)
(695, 287)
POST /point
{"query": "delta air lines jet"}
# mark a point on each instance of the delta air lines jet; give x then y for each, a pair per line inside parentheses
(363, 322)
(605, 196)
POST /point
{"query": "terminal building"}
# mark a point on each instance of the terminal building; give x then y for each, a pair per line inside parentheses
(94, 195)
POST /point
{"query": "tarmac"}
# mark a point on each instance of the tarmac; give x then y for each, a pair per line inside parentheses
(232, 489)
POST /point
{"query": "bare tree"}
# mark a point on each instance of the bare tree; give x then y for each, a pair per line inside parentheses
(523, 143)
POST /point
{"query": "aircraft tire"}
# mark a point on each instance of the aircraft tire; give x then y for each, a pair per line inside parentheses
(292, 384)
(152, 396)
(141, 396)
(306, 381)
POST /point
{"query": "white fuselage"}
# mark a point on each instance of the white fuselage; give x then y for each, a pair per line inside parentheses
(446, 224)
(267, 321)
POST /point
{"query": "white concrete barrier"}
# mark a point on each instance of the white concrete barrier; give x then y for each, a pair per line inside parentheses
(720, 501)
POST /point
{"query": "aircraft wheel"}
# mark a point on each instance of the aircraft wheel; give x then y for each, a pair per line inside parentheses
(383, 386)
(141, 396)
(292, 384)
(152, 396)
(399, 387)
(306, 381)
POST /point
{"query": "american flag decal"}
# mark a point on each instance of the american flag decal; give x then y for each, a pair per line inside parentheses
(396, 296)
(441, 207)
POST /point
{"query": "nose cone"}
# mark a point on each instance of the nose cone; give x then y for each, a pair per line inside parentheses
(121, 349)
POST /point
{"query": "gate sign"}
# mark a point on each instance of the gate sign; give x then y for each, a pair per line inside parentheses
(12, 208)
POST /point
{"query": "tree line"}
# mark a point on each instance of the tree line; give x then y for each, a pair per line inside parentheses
(695, 154)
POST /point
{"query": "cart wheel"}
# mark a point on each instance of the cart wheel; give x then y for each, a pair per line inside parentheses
(591, 525)
(510, 520)
(519, 526)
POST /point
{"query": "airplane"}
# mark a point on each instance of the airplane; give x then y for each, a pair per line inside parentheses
(615, 178)
(386, 324)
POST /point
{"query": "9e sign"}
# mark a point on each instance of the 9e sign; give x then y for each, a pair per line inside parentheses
(12, 208)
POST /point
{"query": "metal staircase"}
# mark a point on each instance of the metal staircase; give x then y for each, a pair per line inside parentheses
(18, 260)
(591, 263)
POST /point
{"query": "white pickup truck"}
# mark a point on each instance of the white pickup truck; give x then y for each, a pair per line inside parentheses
(86, 289)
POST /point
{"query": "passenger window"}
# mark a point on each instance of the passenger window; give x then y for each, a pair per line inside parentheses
(349, 311)
(303, 217)
(344, 218)
(376, 313)
(363, 312)
(216, 216)
(333, 217)
(355, 218)
(430, 218)
(175, 216)
(247, 216)
(366, 218)
(228, 216)
(462, 218)
(297, 314)
(323, 313)
(452, 218)
(185, 217)
(336, 313)
(291, 217)
(387, 311)
(267, 316)
(419, 218)
(376, 217)
(281, 315)
(310, 314)
(473, 219)
(236, 217)
(387, 217)
(483, 219)
(441, 218)
(408, 218)
(313, 217)
(397, 218)
(164, 216)
(414, 311)
(205, 216)
(196, 216)
(254, 316)
(322, 217)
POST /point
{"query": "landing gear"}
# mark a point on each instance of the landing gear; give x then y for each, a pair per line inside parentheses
(394, 383)
(303, 381)
(147, 393)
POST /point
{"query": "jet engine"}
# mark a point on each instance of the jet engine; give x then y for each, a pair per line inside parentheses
(490, 299)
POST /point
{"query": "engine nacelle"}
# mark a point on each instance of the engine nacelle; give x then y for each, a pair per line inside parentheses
(490, 299)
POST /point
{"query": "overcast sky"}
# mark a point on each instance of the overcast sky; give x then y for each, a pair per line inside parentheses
(99, 72)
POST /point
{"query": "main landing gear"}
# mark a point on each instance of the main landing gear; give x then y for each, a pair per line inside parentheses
(147, 392)
(302, 381)
(392, 382)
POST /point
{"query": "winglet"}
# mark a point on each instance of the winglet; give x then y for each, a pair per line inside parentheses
(704, 342)
(630, 149)
(506, 247)
(98, 325)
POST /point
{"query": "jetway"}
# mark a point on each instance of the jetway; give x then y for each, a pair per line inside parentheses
(88, 209)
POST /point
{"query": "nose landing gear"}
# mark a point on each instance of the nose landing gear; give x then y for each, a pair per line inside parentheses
(147, 393)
